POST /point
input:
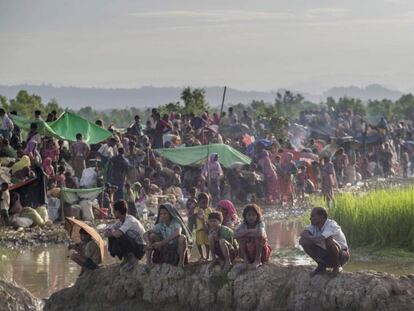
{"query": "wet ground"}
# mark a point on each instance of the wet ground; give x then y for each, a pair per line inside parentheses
(37, 259)
(43, 270)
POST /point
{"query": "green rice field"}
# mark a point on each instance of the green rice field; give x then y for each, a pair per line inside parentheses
(378, 218)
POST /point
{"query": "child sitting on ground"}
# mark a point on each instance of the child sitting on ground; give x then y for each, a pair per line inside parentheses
(4, 204)
(87, 254)
(202, 211)
(252, 237)
(223, 247)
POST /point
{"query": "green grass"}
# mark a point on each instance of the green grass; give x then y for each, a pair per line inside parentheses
(382, 218)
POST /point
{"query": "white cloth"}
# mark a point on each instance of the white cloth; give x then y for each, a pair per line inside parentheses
(5, 200)
(89, 178)
(329, 229)
(6, 123)
(134, 228)
(106, 151)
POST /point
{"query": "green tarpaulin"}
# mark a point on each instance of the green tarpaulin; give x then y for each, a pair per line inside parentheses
(199, 154)
(73, 195)
(66, 127)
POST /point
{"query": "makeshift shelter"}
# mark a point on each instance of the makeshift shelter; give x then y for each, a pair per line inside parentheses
(69, 196)
(66, 127)
(197, 155)
(33, 191)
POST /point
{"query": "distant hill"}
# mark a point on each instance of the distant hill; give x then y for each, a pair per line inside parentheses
(102, 99)
(373, 91)
(148, 96)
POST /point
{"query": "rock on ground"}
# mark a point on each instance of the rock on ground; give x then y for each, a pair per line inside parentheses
(15, 298)
(271, 287)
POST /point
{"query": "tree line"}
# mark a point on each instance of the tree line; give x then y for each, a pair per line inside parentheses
(287, 105)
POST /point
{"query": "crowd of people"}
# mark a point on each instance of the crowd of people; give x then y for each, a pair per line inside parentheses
(135, 178)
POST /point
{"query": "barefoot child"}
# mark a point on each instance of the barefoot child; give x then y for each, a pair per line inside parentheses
(223, 247)
(190, 206)
(202, 211)
(252, 238)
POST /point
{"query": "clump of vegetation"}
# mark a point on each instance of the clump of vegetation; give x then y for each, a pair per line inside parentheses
(377, 218)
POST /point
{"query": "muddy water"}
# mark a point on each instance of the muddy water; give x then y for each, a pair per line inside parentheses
(41, 270)
(44, 270)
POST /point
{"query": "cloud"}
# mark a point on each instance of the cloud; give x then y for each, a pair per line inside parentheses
(327, 12)
(217, 16)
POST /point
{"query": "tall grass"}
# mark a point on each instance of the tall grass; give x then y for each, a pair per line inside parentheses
(377, 218)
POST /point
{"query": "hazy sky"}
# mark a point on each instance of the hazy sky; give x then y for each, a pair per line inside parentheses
(307, 45)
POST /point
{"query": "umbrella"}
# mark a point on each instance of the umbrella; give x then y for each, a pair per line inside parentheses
(73, 226)
(235, 130)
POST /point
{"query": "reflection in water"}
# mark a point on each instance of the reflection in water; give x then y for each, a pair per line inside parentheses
(283, 234)
(45, 270)
(41, 270)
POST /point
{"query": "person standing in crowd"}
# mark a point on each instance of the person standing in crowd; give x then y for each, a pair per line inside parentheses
(340, 163)
(107, 151)
(288, 170)
(79, 153)
(38, 115)
(324, 241)
(328, 179)
(162, 126)
(16, 137)
(212, 174)
(7, 126)
(386, 160)
(136, 128)
(269, 173)
(33, 134)
(117, 173)
(405, 160)
(5, 204)
(202, 211)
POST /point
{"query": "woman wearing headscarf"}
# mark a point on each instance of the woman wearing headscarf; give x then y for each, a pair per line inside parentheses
(168, 240)
(48, 168)
(212, 173)
(230, 218)
(269, 173)
(32, 152)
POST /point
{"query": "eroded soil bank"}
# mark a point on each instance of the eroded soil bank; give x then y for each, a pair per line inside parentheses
(15, 298)
(271, 287)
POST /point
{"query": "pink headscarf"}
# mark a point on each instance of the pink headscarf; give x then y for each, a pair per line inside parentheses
(230, 213)
(47, 166)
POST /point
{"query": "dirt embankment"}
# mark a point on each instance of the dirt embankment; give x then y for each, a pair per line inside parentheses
(15, 298)
(271, 287)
